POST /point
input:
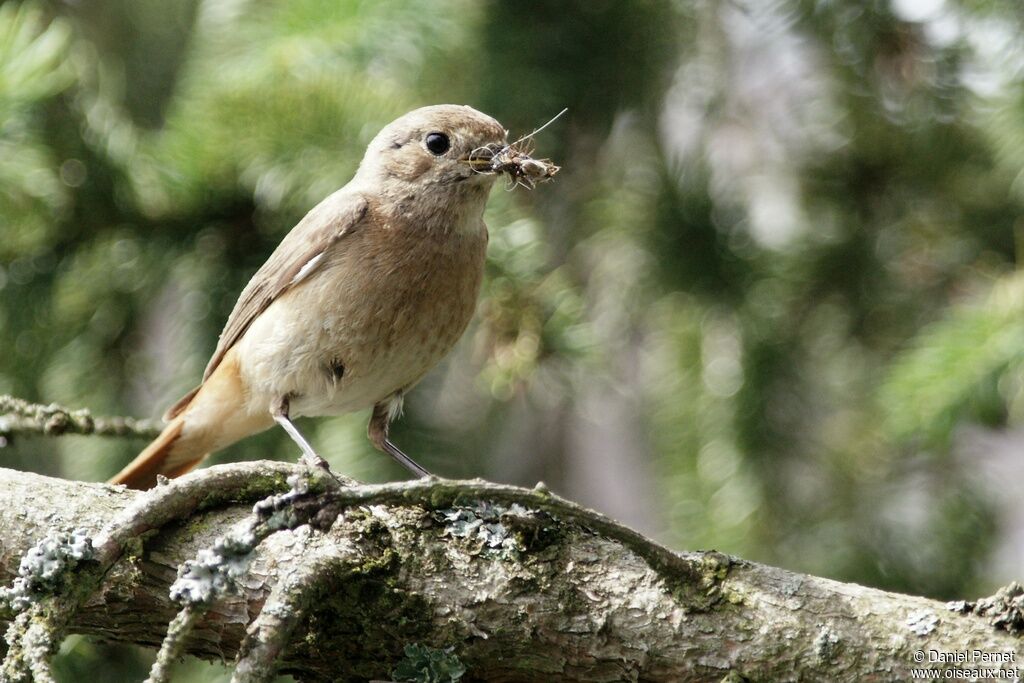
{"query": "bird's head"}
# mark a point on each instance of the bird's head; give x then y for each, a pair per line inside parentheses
(430, 147)
(452, 150)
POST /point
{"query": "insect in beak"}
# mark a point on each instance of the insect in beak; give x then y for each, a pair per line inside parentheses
(514, 160)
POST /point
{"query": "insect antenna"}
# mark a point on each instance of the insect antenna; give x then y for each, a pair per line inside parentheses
(553, 119)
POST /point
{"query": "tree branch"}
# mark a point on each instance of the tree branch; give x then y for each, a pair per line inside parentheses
(18, 416)
(519, 584)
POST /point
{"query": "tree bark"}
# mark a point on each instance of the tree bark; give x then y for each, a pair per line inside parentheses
(517, 596)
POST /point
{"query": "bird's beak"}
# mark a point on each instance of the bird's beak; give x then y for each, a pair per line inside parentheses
(480, 160)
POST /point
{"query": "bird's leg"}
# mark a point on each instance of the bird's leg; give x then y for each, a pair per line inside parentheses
(279, 410)
(377, 430)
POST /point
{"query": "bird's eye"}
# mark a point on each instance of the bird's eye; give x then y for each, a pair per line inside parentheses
(438, 143)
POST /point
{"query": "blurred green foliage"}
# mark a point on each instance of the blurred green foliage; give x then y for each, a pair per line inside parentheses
(968, 365)
(770, 305)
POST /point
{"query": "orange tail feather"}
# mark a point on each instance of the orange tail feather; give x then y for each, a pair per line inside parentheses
(216, 417)
(156, 459)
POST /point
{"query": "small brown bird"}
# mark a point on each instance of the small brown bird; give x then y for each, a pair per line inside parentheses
(363, 297)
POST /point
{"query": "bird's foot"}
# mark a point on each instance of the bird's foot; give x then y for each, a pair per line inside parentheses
(309, 456)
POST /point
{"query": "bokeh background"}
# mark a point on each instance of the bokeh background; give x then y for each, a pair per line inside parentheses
(771, 305)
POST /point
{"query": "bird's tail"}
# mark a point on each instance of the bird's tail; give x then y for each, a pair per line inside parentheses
(208, 419)
(168, 454)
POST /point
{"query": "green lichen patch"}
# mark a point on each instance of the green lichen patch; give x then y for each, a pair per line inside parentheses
(424, 664)
(705, 587)
(260, 487)
(361, 617)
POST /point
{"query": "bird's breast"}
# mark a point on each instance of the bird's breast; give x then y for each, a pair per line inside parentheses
(390, 302)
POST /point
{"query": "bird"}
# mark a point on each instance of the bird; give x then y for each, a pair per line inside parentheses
(367, 293)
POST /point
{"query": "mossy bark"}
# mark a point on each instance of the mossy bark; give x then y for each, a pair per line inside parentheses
(557, 603)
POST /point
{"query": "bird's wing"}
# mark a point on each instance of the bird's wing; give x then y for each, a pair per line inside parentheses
(299, 255)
